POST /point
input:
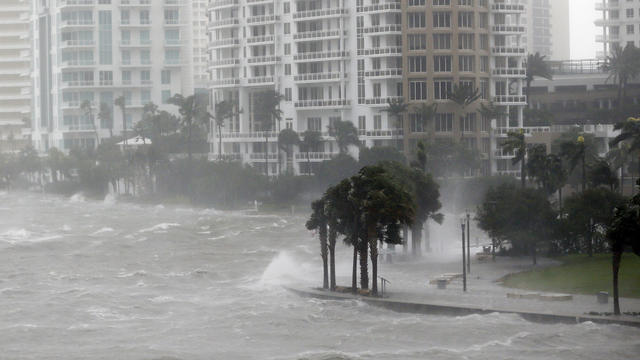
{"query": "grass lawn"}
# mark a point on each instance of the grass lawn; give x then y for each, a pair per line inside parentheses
(580, 274)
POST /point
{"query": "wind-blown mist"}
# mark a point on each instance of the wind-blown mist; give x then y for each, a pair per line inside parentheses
(82, 279)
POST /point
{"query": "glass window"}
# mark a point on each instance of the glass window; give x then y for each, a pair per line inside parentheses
(165, 76)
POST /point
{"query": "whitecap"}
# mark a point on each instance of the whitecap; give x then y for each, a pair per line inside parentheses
(102, 231)
(159, 227)
(77, 198)
(217, 237)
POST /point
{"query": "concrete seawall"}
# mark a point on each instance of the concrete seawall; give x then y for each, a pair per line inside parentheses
(462, 310)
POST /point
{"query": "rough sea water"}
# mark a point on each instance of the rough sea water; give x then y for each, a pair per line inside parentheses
(81, 279)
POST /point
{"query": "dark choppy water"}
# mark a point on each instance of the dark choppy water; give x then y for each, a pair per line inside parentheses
(92, 280)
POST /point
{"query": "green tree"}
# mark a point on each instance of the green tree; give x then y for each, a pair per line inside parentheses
(622, 66)
(87, 108)
(224, 110)
(267, 105)
(56, 163)
(463, 96)
(287, 139)
(377, 154)
(396, 108)
(318, 221)
(516, 143)
(623, 233)
(310, 141)
(425, 115)
(629, 134)
(601, 174)
(576, 153)
(537, 67)
(384, 207)
(345, 133)
(620, 157)
(106, 117)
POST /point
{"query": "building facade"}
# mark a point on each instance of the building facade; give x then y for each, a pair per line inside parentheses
(97, 51)
(620, 23)
(548, 28)
(346, 60)
(15, 74)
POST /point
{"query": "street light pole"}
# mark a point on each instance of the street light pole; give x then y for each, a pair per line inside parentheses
(464, 268)
(468, 243)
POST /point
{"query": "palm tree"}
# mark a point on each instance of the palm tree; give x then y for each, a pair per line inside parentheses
(537, 67)
(600, 173)
(193, 116)
(630, 134)
(384, 207)
(426, 113)
(287, 139)
(622, 65)
(491, 112)
(576, 153)
(224, 110)
(619, 157)
(310, 140)
(87, 108)
(345, 133)
(106, 117)
(318, 221)
(515, 142)
(396, 108)
(622, 233)
(121, 102)
(463, 96)
(267, 104)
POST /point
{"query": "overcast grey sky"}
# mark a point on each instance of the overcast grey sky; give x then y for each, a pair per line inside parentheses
(583, 31)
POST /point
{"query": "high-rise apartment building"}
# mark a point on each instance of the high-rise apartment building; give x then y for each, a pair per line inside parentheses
(15, 65)
(548, 28)
(620, 24)
(346, 60)
(99, 50)
(198, 19)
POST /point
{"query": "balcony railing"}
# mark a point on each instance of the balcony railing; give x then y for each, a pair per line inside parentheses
(520, 72)
(393, 28)
(508, 29)
(379, 100)
(324, 13)
(318, 76)
(262, 19)
(383, 73)
(393, 6)
(250, 135)
(317, 34)
(260, 39)
(263, 59)
(315, 156)
(320, 55)
(510, 99)
(260, 80)
(322, 103)
(380, 51)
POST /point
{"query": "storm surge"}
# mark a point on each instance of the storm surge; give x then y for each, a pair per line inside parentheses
(91, 280)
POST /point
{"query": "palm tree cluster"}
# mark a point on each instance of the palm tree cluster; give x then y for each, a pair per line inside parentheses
(367, 210)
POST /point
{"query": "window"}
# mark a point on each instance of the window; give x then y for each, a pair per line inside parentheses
(417, 90)
(466, 63)
(145, 57)
(126, 57)
(417, 2)
(442, 63)
(287, 49)
(287, 94)
(171, 16)
(287, 28)
(172, 36)
(416, 20)
(172, 56)
(417, 41)
(468, 122)
(377, 90)
(630, 13)
(126, 77)
(362, 122)
(441, 19)
(444, 122)
(145, 37)
(417, 64)
(484, 64)
(630, 29)
(377, 122)
(166, 94)
(124, 17)
(104, 37)
(144, 17)
(417, 123)
(466, 41)
(442, 41)
(287, 7)
(165, 77)
(106, 78)
(145, 76)
(441, 2)
(442, 89)
(125, 37)
(465, 19)
(145, 97)
(314, 124)
(287, 69)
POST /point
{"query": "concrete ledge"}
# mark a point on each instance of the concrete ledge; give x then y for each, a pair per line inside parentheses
(462, 310)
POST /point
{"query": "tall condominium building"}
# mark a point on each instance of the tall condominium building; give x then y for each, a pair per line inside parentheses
(620, 24)
(98, 51)
(198, 18)
(347, 59)
(548, 28)
(15, 65)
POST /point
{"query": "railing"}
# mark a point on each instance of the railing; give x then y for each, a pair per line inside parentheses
(262, 18)
(510, 99)
(320, 13)
(509, 72)
(224, 42)
(223, 82)
(315, 156)
(381, 7)
(318, 76)
(322, 103)
(383, 285)
(508, 50)
(380, 51)
(320, 55)
(383, 28)
(569, 67)
(261, 80)
(263, 156)
(259, 39)
(508, 29)
(79, 43)
(77, 22)
(379, 100)
(317, 34)
(383, 72)
(224, 62)
(385, 133)
(77, 2)
(263, 59)
(224, 22)
(220, 3)
(249, 135)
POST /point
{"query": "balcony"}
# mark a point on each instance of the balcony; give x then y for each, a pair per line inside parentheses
(250, 135)
(141, 43)
(509, 51)
(78, 43)
(219, 4)
(383, 29)
(226, 83)
(135, 3)
(172, 62)
(78, 83)
(174, 2)
(315, 156)
(507, 8)
(263, 156)
(262, 80)
(318, 77)
(173, 42)
(262, 19)
(320, 13)
(317, 35)
(263, 60)
(78, 127)
(321, 55)
(78, 63)
(224, 63)
(76, 23)
(509, 72)
(607, 38)
(393, 73)
(379, 101)
(258, 40)
(387, 134)
(381, 51)
(510, 100)
(220, 43)
(508, 29)
(388, 7)
(222, 23)
(141, 24)
(76, 3)
(320, 104)
(609, 5)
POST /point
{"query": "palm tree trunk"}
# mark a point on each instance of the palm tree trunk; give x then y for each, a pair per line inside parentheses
(308, 163)
(266, 154)
(354, 274)
(323, 252)
(332, 257)
(405, 238)
(523, 175)
(219, 142)
(364, 266)
(416, 240)
(617, 257)
(584, 171)
(373, 242)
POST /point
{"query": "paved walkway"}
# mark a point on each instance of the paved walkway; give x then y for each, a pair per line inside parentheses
(410, 283)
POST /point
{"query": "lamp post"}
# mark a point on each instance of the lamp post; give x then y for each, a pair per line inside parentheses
(464, 268)
(468, 242)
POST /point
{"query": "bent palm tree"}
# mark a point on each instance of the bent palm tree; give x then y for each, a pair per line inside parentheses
(622, 65)
(122, 104)
(106, 117)
(287, 139)
(515, 142)
(427, 112)
(463, 96)
(87, 108)
(396, 109)
(310, 140)
(576, 153)
(629, 133)
(318, 221)
(267, 103)
(345, 133)
(537, 67)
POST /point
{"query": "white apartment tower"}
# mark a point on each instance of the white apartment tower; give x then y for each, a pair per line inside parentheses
(548, 28)
(346, 59)
(15, 64)
(620, 24)
(99, 50)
